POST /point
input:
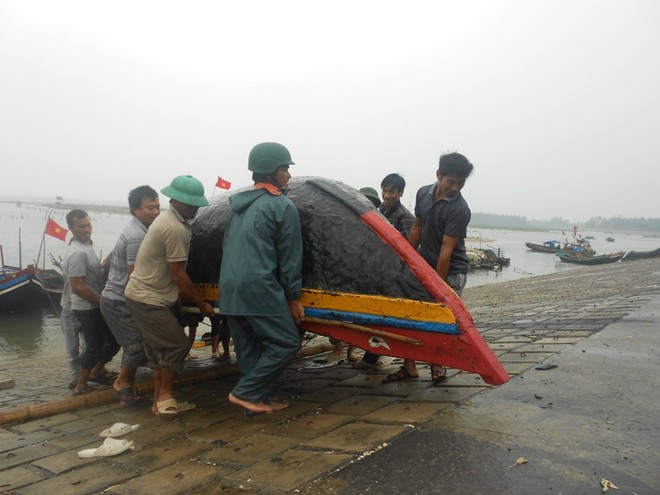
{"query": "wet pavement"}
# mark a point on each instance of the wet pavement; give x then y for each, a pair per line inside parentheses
(590, 416)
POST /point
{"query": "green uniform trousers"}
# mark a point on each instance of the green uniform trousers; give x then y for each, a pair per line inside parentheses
(265, 346)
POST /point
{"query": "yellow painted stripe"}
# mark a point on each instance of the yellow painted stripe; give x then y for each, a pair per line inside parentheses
(208, 292)
(408, 309)
(378, 305)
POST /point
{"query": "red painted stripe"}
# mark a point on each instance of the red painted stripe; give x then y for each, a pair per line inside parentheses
(441, 292)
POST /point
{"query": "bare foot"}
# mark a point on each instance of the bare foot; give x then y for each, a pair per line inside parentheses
(257, 407)
(278, 406)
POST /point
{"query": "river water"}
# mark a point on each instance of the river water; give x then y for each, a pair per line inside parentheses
(35, 335)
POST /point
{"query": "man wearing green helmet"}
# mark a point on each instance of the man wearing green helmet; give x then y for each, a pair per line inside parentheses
(154, 287)
(261, 278)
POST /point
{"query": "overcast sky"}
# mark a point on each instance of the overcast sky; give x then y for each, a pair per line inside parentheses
(557, 103)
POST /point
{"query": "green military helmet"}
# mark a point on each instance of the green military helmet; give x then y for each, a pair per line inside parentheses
(266, 158)
(187, 190)
(371, 193)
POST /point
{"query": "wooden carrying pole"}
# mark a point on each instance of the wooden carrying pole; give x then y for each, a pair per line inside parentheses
(360, 328)
(100, 397)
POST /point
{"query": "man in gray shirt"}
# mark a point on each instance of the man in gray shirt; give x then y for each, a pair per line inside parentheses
(145, 208)
(83, 269)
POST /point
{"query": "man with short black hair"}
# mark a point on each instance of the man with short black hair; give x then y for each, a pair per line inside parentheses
(392, 188)
(438, 232)
(145, 208)
(83, 269)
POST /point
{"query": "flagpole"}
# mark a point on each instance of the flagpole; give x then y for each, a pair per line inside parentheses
(43, 244)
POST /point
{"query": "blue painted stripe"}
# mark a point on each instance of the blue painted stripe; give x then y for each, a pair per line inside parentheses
(382, 321)
(15, 281)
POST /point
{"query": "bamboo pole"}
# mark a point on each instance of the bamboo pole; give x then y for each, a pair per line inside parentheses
(100, 397)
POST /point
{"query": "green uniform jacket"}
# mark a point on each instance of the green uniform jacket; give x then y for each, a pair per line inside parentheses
(262, 255)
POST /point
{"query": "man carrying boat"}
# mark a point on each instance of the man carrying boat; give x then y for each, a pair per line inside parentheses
(438, 232)
(261, 278)
(156, 284)
(145, 208)
(392, 188)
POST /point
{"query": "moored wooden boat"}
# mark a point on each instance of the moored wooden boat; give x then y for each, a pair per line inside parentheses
(583, 259)
(362, 281)
(20, 289)
(557, 247)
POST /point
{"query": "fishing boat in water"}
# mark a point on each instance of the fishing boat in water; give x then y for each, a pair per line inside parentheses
(20, 288)
(29, 288)
(579, 246)
(585, 259)
(362, 281)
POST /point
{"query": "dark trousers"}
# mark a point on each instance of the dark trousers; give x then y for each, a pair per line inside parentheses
(100, 344)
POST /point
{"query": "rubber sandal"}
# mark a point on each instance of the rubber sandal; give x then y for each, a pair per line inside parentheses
(109, 448)
(399, 375)
(118, 430)
(438, 375)
(170, 407)
(127, 397)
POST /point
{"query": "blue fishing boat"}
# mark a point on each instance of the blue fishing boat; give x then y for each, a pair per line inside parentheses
(29, 288)
(20, 289)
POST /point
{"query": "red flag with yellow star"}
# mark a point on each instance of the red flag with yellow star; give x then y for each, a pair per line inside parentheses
(54, 230)
(222, 183)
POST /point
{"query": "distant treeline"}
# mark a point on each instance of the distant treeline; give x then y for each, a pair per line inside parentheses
(515, 222)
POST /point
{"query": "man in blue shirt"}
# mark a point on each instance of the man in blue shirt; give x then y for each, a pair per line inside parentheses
(438, 232)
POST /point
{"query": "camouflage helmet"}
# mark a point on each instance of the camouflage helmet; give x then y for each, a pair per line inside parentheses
(266, 158)
(187, 190)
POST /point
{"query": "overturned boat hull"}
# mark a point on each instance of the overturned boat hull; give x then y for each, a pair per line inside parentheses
(362, 281)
